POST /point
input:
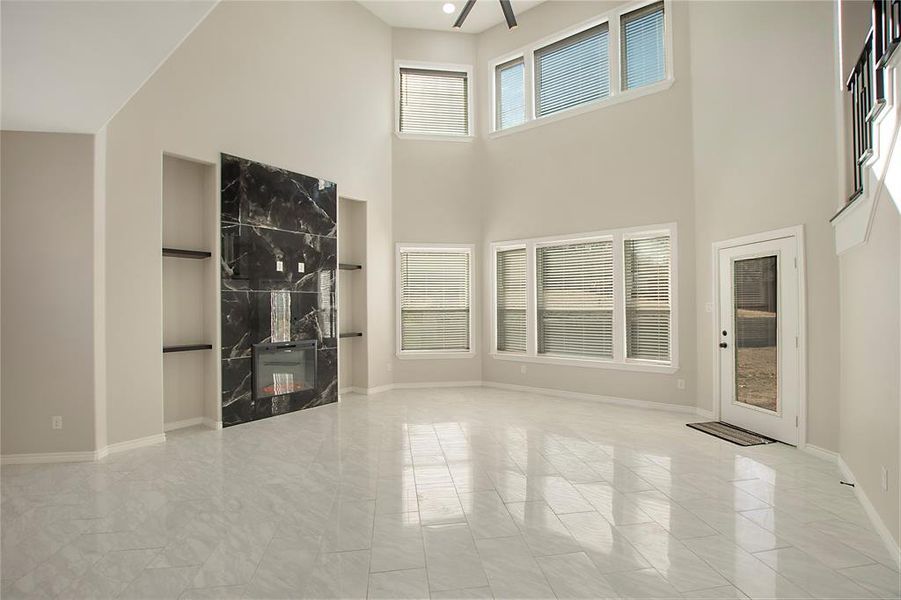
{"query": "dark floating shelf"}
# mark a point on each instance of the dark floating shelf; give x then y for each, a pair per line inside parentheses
(187, 348)
(179, 253)
(349, 267)
(350, 335)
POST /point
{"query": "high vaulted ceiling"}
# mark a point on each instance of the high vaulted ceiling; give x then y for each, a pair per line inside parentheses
(428, 14)
(70, 66)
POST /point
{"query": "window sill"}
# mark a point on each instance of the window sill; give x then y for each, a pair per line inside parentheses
(613, 100)
(434, 355)
(590, 363)
(425, 137)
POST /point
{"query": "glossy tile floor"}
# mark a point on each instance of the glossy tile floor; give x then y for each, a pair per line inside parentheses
(454, 493)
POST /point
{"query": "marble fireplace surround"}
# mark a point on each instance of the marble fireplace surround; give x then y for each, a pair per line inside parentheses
(279, 240)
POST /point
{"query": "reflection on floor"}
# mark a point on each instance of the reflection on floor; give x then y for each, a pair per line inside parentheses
(445, 493)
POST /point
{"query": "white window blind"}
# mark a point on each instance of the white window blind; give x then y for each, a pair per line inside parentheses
(575, 299)
(434, 102)
(434, 300)
(511, 300)
(643, 54)
(648, 304)
(510, 90)
(572, 71)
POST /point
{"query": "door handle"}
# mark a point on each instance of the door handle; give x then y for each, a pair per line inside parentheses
(724, 345)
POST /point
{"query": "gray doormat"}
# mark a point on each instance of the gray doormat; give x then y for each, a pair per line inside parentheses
(731, 433)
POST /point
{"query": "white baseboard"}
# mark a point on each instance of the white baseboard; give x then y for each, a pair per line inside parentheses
(820, 452)
(182, 424)
(411, 386)
(436, 384)
(87, 456)
(150, 440)
(868, 507)
(212, 423)
(48, 457)
(679, 408)
(704, 413)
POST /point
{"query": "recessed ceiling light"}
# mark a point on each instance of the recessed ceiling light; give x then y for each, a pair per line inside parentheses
(448, 7)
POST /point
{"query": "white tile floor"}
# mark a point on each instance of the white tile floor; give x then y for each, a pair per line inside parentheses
(468, 493)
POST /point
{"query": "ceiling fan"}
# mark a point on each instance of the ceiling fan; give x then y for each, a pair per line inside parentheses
(505, 6)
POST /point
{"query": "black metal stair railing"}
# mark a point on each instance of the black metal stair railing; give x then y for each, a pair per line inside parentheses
(866, 84)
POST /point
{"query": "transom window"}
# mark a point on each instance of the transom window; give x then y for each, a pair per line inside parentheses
(612, 56)
(433, 101)
(602, 299)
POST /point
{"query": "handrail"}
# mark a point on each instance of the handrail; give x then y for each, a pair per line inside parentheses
(866, 85)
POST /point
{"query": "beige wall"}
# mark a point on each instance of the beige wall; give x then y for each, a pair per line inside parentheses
(437, 197)
(48, 256)
(870, 357)
(765, 157)
(300, 85)
(621, 166)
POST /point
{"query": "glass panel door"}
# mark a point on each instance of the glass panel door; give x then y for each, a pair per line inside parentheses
(756, 326)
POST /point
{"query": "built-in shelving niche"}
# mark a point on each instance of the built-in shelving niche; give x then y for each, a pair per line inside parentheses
(351, 294)
(190, 297)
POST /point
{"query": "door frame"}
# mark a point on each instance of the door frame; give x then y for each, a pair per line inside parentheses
(796, 232)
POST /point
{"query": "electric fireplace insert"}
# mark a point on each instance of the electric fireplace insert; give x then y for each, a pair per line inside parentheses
(284, 368)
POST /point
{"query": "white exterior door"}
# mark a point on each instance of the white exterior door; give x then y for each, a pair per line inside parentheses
(759, 329)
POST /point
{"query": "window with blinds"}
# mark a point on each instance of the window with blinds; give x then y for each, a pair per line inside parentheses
(434, 300)
(434, 102)
(511, 300)
(642, 41)
(575, 299)
(648, 302)
(509, 84)
(572, 71)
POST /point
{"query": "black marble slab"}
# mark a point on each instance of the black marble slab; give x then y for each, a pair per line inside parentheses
(266, 196)
(239, 405)
(252, 257)
(250, 318)
(278, 278)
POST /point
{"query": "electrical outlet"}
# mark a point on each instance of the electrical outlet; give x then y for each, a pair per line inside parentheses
(56, 422)
(680, 383)
(709, 307)
(523, 369)
(884, 479)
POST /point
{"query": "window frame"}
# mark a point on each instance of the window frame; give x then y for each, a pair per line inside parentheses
(617, 94)
(619, 360)
(400, 248)
(435, 66)
(496, 96)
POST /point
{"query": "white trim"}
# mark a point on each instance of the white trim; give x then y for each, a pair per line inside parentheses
(399, 248)
(619, 360)
(212, 424)
(796, 232)
(87, 456)
(588, 107)
(617, 95)
(827, 455)
(150, 440)
(427, 137)
(631, 365)
(379, 389)
(182, 424)
(677, 408)
(878, 524)
(436, 66)
(48, 457)
(436, 384)
(704, 413)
